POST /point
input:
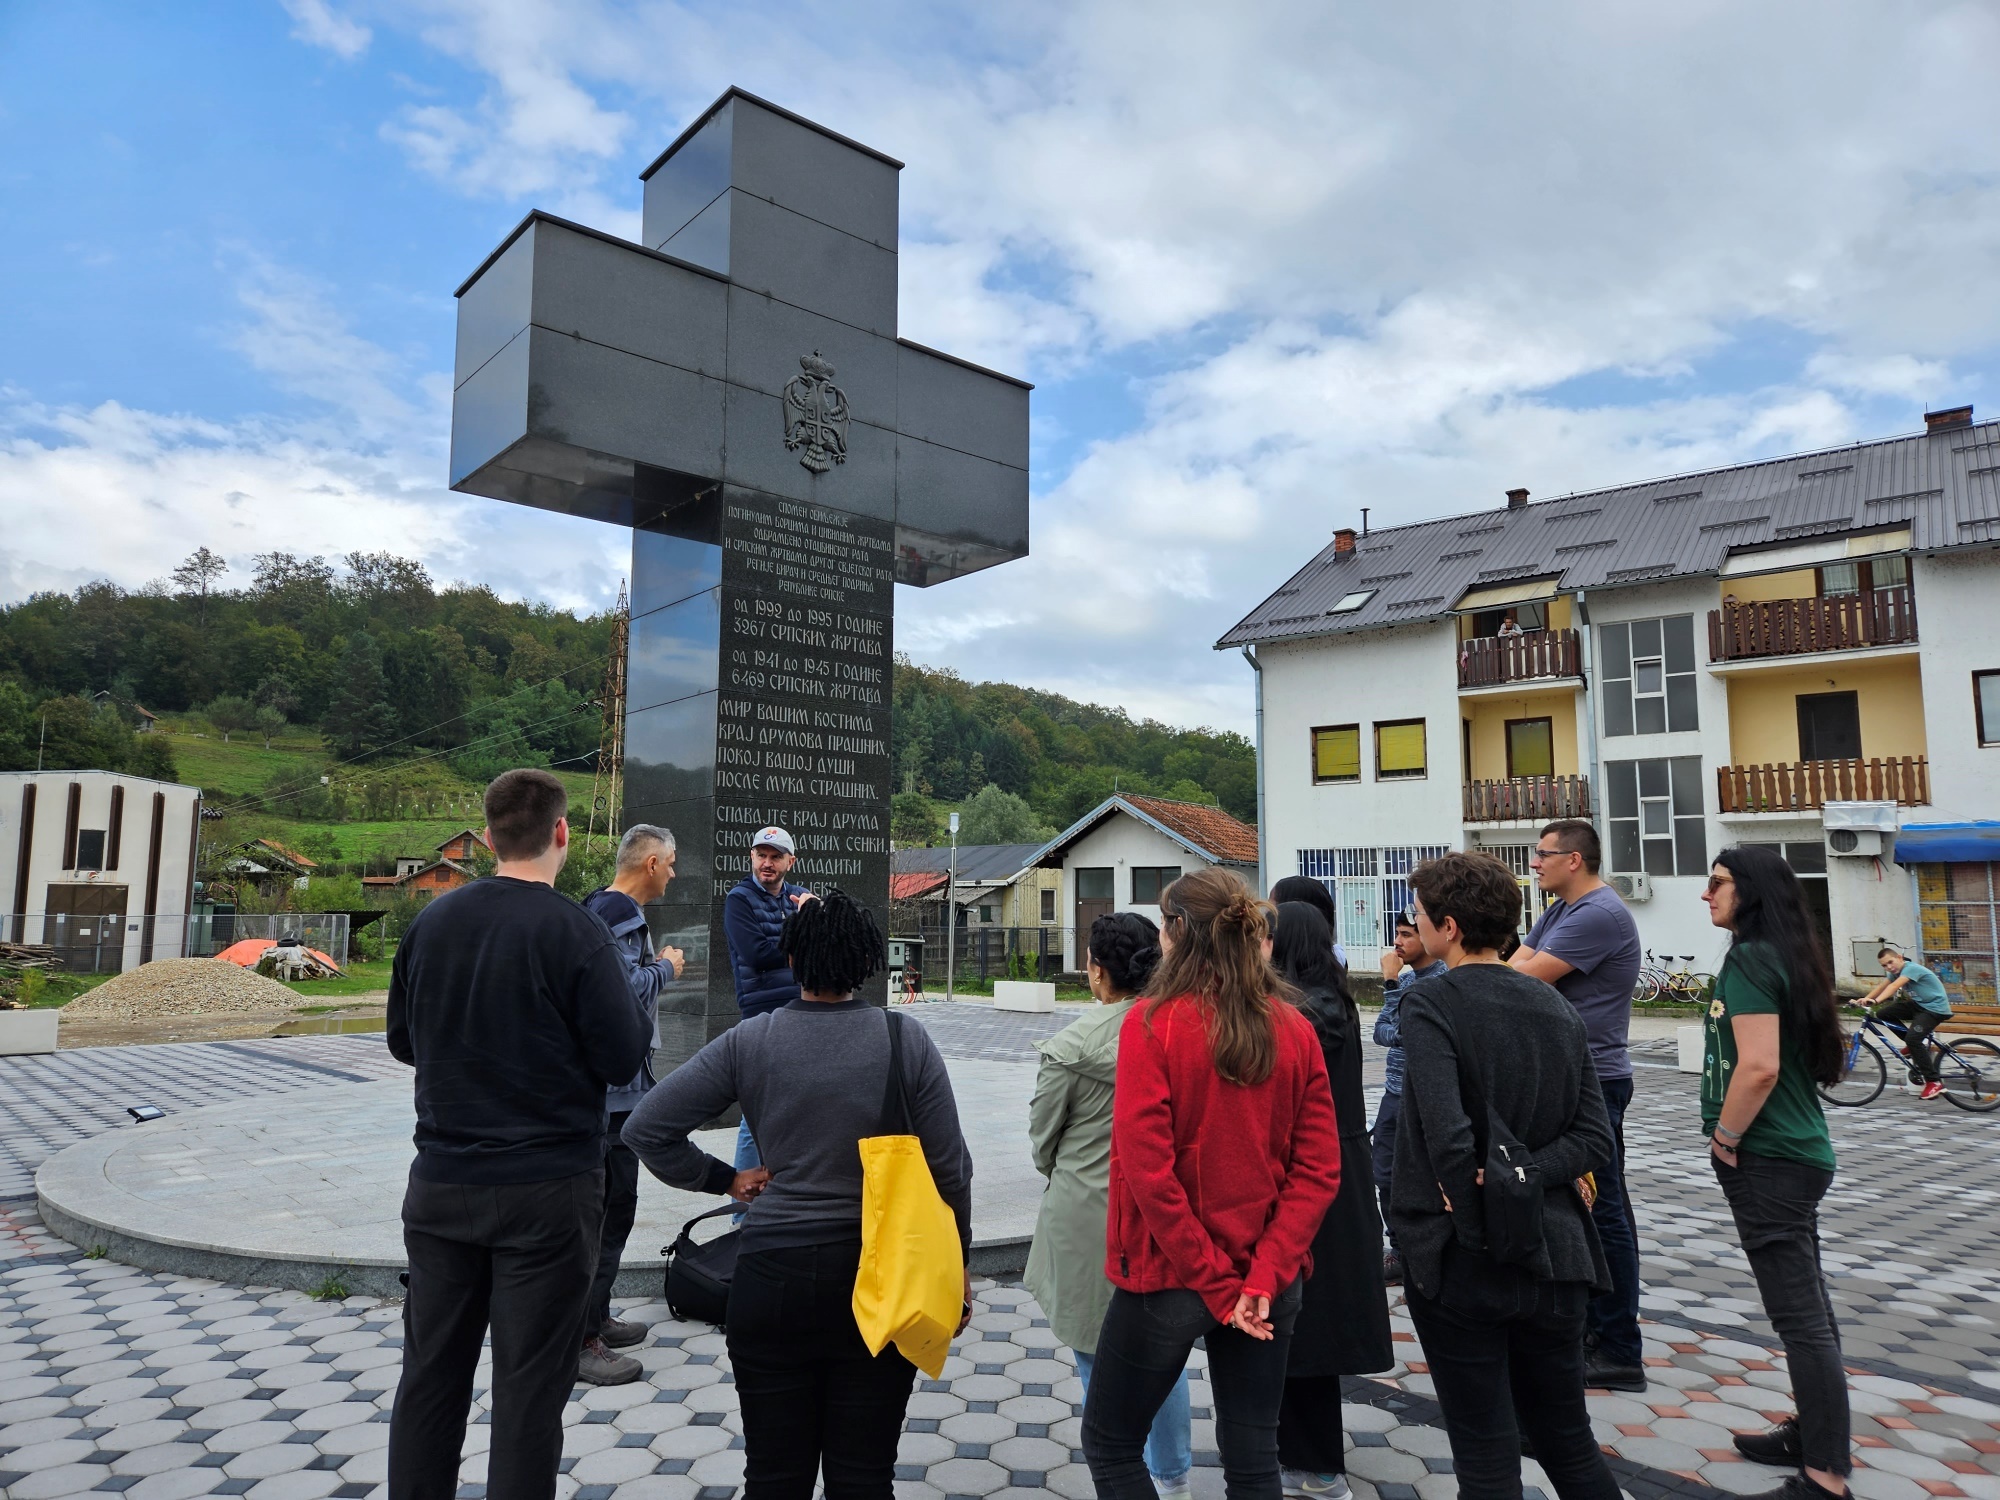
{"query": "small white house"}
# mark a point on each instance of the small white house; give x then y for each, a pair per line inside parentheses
(1121, 854)
(98, 865)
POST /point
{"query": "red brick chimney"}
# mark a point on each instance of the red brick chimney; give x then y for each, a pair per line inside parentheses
(1949, 420)
(1343, 539)
(1517, 499)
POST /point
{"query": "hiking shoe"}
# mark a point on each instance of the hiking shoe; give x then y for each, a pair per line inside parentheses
(597, 1365)
(1603, 1376)
(1392, 1275)
(619, 1335)
(1931, 1090)
(1173, 1489)
(1778, 1447)
(1303, 1484)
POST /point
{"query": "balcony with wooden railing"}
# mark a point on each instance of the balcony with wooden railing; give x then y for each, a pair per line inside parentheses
(1805, 785)
(1527, 799)
(1797, 627)
(1489, 661)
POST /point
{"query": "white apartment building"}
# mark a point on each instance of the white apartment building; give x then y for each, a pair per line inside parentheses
(1691, 663)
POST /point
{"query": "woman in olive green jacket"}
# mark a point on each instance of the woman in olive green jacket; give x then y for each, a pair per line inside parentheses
(1069, 1130)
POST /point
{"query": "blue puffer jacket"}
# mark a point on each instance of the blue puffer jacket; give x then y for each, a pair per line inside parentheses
(752, 918)
(1389, 1025)
(644, 972)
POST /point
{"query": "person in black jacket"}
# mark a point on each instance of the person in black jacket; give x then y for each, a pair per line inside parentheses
(1343, 1326)
(645, 869)
(511, 1003)
(1490, 1050)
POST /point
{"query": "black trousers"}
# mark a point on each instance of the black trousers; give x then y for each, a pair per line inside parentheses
(1506, 1355)
(1141, 1351)
(1614, 1315)
(815, 1402)
(518, 1258)
(1776, 1207)
(621, 1205)
(1309, 1428)
(1918, 1025)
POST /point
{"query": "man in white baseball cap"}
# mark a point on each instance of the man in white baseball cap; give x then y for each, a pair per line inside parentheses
(753, 915)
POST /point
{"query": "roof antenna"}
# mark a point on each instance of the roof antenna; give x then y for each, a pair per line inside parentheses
(1364, 520)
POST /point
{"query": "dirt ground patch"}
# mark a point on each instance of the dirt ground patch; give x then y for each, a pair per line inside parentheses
(96, 1031)
(189, 1000)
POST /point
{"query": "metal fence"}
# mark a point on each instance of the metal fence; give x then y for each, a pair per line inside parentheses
(111, 942)
(991, 952)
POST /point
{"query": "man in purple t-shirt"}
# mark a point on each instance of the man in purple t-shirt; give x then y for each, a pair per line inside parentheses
(1587, 946)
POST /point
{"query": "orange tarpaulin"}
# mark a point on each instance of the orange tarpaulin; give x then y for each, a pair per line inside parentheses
(249, 950)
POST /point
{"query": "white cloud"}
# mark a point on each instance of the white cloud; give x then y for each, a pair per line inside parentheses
(1882, 375)
(317, 24)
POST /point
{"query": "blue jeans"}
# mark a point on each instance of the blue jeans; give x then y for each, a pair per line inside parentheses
(1170, 1443)
(1614, 1315)
(747, 1156)
(1383, 1142)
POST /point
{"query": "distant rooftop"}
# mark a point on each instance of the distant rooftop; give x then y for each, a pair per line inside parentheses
(1207, 831)
(1943, 484)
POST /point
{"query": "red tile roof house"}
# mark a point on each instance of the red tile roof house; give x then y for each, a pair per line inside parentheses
(1121, 854)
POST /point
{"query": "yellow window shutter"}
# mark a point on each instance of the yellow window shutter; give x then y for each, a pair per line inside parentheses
(1337, 753)
(1399, 748)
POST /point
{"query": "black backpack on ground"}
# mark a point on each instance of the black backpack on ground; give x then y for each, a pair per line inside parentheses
(698, 1275)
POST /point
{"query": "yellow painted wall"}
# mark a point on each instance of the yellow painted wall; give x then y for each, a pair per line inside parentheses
(1764, 714)
(1489, 718)
(1561, 616)
(1796, 585)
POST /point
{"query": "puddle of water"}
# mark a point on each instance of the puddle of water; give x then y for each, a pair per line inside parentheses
(331, 1025)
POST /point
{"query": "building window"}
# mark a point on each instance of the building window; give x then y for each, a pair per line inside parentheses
(1836, 579)
(986, 914)
(1829, 726)
(1655, 815)
(1531, 747)
(1958, 915)
(1986, 706)
(90, 849)
(1369, 888)
(1048, 906)
(1337, 753)
(1149, 880)
(1399, 749)
(1348, 603)
(1647, 667)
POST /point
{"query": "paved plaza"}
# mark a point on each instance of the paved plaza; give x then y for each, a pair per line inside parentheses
(119, 1380)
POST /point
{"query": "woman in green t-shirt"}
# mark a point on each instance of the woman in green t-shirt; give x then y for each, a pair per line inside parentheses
(1773, 1032)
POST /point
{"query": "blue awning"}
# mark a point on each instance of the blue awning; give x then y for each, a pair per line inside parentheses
(1948, 844)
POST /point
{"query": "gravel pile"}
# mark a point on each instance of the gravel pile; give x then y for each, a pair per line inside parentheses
(182, 987)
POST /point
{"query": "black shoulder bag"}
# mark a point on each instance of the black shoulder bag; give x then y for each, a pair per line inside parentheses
(1511, 1195)
(698, 1275)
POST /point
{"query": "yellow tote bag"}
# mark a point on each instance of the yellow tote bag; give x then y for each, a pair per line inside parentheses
(910, 1288)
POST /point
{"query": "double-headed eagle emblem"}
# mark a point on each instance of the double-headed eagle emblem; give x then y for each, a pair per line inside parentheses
(816, 415)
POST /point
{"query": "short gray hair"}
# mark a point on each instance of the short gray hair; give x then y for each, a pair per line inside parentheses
(639, 841)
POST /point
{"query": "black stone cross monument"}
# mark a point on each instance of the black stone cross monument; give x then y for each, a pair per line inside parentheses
(734, 392)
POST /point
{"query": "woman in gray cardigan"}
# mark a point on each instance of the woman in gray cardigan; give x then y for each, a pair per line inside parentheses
(1069, 1130)
(1489, 1049)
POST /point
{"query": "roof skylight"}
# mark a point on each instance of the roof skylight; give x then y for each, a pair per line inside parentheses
(1351, 602)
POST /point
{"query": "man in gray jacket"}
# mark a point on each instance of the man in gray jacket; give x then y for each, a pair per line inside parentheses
(645, 866)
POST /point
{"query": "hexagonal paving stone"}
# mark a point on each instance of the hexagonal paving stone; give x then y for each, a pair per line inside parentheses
(967, 1476)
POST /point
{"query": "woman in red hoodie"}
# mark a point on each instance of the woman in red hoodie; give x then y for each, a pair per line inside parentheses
(1224, 1157)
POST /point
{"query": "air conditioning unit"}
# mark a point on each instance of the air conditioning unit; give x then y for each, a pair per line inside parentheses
(1856, 843)
(1634, 887)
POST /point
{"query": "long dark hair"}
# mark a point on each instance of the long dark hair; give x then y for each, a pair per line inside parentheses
(1302, 951)
(1218, 927)
(1771, 911)
(1314, 894)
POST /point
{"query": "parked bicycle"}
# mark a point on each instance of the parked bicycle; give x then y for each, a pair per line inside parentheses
(1968, 1066)
(1658, 982)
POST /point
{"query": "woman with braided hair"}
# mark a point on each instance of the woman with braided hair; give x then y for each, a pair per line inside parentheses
(1224, 1158)
(810, 1076)
(1069, 1130)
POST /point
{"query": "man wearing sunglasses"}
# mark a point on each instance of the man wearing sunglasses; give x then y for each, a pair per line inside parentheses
(1587, 946)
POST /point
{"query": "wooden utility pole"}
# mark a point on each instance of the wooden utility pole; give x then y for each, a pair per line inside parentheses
(607, 788)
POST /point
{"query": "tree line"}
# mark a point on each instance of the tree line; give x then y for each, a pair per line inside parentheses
(371, 653)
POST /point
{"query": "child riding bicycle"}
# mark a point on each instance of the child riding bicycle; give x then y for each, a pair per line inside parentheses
(1915, 996)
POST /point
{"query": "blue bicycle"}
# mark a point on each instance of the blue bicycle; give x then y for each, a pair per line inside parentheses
(1968, 1066)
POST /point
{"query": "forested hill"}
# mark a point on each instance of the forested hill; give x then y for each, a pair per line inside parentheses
(368, 668)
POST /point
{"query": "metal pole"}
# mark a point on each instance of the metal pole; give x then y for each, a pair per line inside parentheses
(951, 912)
(1263, 856)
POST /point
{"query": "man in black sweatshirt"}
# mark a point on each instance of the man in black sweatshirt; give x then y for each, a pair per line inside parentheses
(511, 1002)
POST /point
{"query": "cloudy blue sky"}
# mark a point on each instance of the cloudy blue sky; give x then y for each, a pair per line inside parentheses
(1266, 262)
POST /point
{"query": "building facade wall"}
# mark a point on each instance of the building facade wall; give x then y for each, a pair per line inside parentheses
(1119, 843)
(1489, 715)
(48, 847)
(1764, 713)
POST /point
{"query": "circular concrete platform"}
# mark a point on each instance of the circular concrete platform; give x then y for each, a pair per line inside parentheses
(293, 1190)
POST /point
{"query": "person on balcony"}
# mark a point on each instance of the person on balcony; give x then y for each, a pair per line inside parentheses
(1508, 626)
(1587, 946)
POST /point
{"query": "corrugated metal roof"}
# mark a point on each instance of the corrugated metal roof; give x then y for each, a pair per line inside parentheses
(1945, 486)
(977, 863)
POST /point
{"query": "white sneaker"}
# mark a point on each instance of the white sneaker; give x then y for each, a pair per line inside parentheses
(1302, 1484)
(1173, 1489)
